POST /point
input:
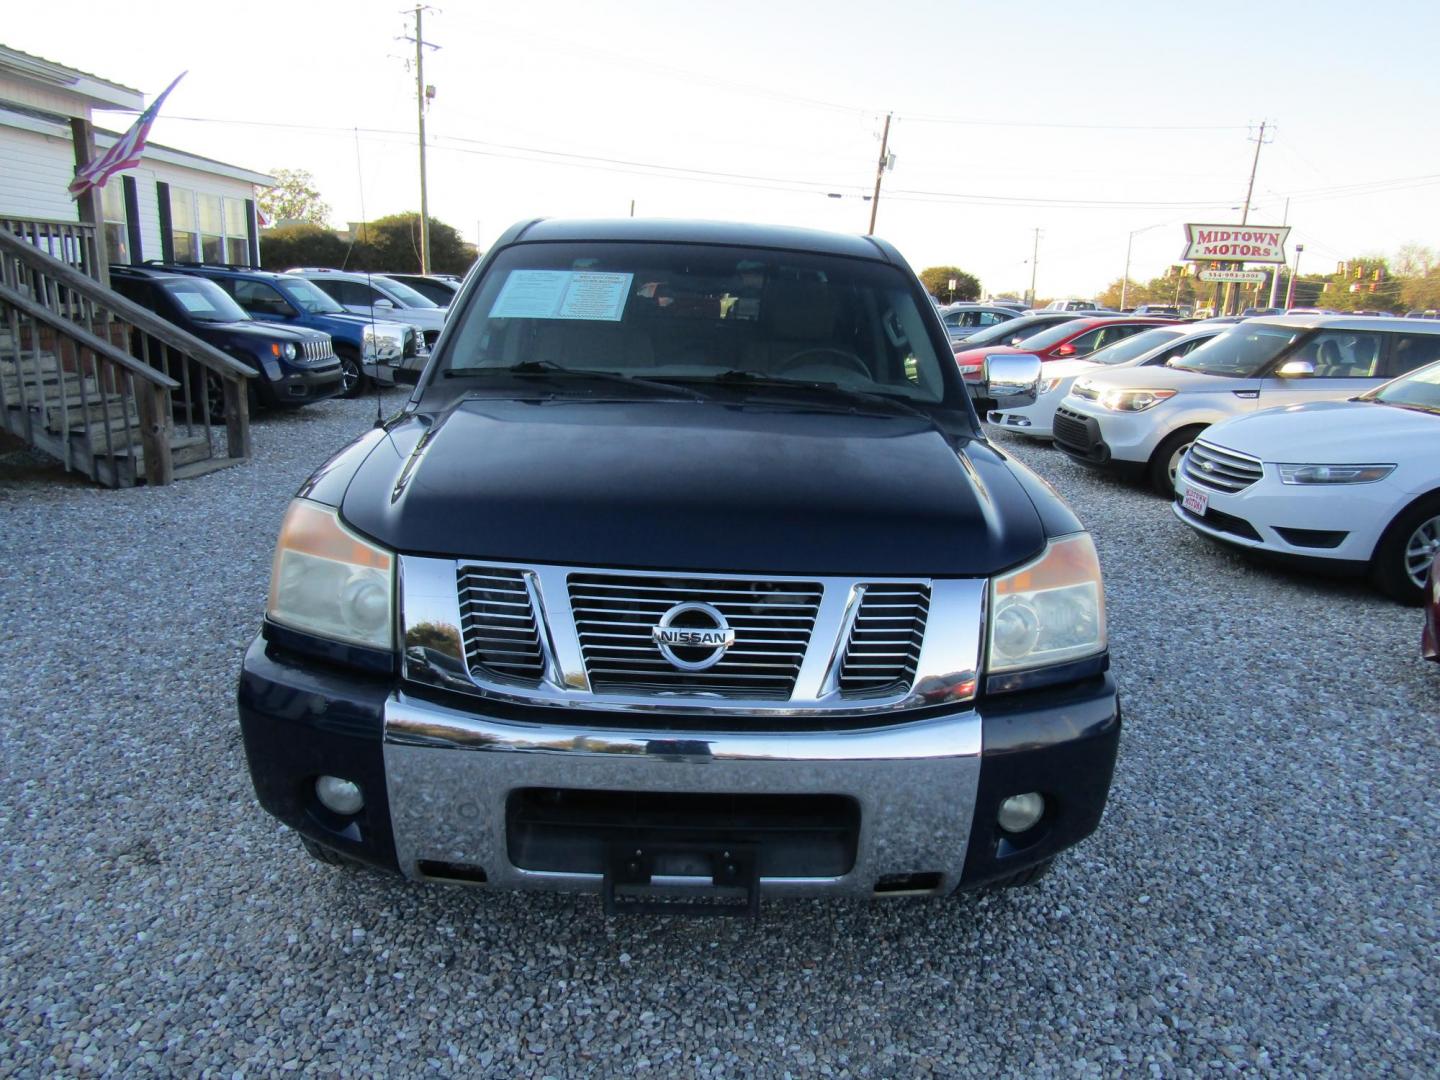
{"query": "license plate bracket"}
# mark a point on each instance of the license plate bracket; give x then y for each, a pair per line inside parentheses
(632, 865)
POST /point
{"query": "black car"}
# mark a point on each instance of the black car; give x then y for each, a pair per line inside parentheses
(295, 365)
(686, 570)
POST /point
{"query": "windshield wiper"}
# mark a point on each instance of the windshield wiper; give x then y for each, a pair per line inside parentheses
(738, 376)
(551, 370)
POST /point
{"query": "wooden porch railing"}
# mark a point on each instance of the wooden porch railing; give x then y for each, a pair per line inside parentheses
(103, 384)
(71, 242)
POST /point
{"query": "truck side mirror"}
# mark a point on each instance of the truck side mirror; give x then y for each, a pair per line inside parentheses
(1011, 380)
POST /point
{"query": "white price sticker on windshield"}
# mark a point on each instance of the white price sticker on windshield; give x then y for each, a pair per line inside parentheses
(563, 294)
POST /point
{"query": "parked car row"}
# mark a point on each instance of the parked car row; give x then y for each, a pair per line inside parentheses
(1310, 439)
(376, 327)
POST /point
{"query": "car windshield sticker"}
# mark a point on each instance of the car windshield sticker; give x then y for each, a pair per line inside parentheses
(562, 294)
(193, 302)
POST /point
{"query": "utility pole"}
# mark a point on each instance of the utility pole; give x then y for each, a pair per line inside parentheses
(1245, 210)
(1034, 256)
(422, 97)
(1275, 275)
(880, 173)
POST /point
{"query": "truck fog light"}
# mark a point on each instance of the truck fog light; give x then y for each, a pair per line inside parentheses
(343, 796)
(1021, 812)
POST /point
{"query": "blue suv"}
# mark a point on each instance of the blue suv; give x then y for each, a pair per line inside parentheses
(295, 364)
(388, 352)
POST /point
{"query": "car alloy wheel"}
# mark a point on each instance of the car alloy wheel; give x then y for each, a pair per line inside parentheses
(349, 376)
(1173, 469)
(1421, 550)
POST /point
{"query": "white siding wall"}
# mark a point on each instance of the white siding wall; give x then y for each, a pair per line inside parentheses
(35, 170)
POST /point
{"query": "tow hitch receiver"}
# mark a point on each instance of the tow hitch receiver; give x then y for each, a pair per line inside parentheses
(632, 867)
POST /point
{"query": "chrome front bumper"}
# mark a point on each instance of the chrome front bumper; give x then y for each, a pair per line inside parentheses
(450, 773)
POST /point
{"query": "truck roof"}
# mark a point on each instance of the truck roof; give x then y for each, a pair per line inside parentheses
(729, 233)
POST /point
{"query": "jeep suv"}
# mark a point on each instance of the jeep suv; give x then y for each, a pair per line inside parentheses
(686, 570)
(295, 365)
(385, 351)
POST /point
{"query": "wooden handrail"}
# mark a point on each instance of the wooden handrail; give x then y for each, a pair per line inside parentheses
(141, 318)
(83, 337)
(81, 226)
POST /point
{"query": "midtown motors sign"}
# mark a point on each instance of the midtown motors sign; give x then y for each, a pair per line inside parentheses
(1239, 243)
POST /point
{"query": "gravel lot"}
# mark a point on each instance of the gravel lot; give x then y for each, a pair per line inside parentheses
(1261, 896)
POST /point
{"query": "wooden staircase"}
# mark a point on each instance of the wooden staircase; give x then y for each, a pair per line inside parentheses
(107, 387)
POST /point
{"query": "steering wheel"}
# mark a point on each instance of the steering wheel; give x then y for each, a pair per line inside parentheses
(851, 361)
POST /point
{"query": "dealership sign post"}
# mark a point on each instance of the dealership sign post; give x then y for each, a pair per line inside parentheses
(1232, 246)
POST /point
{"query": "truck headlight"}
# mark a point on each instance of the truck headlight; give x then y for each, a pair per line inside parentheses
(1333, 474)
(1127, 400)
(1049, 611)
(286, 349)
(327, 581)
(1047, 386)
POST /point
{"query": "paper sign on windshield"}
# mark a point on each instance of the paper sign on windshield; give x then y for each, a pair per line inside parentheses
(562, 294)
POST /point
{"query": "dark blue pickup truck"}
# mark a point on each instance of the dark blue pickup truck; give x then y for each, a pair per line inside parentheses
(295, 364)
(388, 352)
(686, 574)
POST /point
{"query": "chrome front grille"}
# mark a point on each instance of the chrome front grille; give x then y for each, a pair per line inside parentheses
(317, 352)
(883, 650)
(497, 623)
(757, 651)
(772, 620)
(1224, 470)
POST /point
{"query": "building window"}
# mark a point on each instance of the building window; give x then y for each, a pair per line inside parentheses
(212, 229)
(209, 228)
(237, 233)
(182, 225)
(112, 208)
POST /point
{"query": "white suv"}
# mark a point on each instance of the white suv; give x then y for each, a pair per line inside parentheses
(1143, 420)
(1351, 485)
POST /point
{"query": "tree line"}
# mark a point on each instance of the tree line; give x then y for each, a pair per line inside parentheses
(300, 235)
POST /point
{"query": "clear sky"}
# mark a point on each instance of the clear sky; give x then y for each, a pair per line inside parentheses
(1087, 121)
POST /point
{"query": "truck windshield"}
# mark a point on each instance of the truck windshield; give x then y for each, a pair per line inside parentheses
(749, 318)
(310, 299)
(1241, 352)
(404, 294)
(206, 301)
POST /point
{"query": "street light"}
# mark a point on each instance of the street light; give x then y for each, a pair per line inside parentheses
(1290, 289)
(1125, 278)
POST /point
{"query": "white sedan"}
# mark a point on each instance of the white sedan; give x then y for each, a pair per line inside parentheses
(1348, 485)
(1156, 346)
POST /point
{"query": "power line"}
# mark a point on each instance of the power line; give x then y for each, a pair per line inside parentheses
(964, 121)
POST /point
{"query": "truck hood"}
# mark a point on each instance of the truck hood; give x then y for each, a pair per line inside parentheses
(424, 318)
(1331, 433)
(699, 486)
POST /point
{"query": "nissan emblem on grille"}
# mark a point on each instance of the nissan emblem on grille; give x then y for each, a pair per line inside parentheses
(693, 636)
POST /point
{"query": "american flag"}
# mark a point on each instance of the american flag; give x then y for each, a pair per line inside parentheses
(125, 154)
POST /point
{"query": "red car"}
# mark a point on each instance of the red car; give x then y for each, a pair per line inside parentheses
(1078, 337)
(1430, 639)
